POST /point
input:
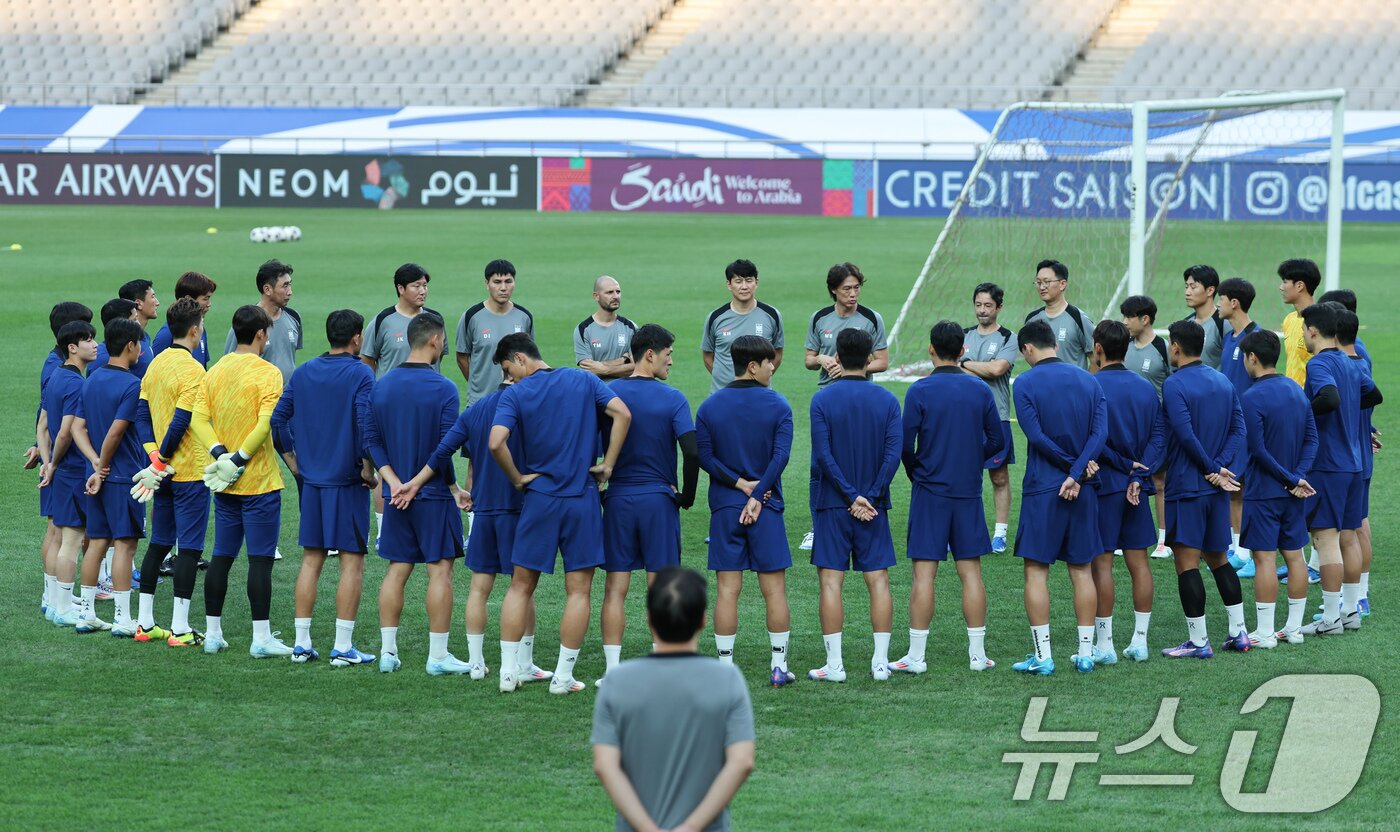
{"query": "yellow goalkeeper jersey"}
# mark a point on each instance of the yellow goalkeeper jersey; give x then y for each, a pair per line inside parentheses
(240, 390)
(175, 381)
(1295, 350)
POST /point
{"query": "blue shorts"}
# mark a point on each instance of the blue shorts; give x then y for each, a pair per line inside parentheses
(1338, 504)
(1007, 454)
(1052, 529)
(254, 517)
(428, 531)
(335, 517)
(640, 531)
(1200, 522)
(939, 523)
(762, 547)
(113, 514)
(68, 500)
(180, 514)
(1125, 526)
(840, 541)
(491, 541)
(571, 526)
(1365, 498)
(1274, 525)
(46, 500)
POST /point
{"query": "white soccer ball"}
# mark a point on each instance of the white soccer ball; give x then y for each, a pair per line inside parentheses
(278, 233)
(258, 235)
(295, 232)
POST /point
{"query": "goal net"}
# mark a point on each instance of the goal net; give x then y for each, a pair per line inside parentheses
(1241, 183)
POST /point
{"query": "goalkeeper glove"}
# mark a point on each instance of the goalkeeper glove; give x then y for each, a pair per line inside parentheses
(148, 480)
(222, 473)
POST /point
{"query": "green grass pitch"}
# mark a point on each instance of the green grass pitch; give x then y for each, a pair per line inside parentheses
(98, 729)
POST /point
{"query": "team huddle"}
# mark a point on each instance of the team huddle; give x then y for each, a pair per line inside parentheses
(581, 463)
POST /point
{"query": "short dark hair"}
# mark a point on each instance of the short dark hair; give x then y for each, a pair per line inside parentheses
(1301, 270)
(1036, 334)
(654, 337)
(182, 316)
(748, 349)
(1188, 336)
(248, 321)
(516, 342)
(1323, 318)
(1263, 344)
(195, 285)
(1113, 337)
(270, 272)
(740, 268)
(998, 294)
(853, 348)
(499, 267)
(409, 273)
(135, 290)
(1237, 289)
(946, 338)
(117, 309)
(1347, 327)
(1138, 305)
(70, 334)
(342, 326)
(1060, 269)
(120, 332)
(423, 327)
(1345, 297)
(1205, 275)
(676, 603)
(835, 276)
(66, 312)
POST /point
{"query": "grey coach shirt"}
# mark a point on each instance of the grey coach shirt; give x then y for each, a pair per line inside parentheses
(672, 715)
(283, 341)
(477, 334)
(1074, 331)
(724, 325)
(595, 342)
(1150, 361)
(827, 323)
(386, 340)
(1215, 339)
(1000, 343)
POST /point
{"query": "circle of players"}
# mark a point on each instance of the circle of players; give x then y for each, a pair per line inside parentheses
(582, 462)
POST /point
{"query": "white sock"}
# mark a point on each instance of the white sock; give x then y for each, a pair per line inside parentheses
(378, 527)
(63, 592)
(1296, 608)
(1331, 606)
(303, 627)
(779, 643)
(1000, 530)
(1365, 584)
(1244, 554)
(526, 656)
(180, 616)
(213, 626)
(89, 601)
(1161, 537)
(389, 640)
(437, 646)
(49, 582)
(1140, 622)
(121, 607)
(1264, 618)
(977, 643)
(476, 648)
(882, 649)
(1351, 593)
(832, 643)
(510, 657)
(1196, 631)
(1235, 542)
(1234, 614)
(1103, 634)
(104, 572)
(1040, 639)
(612, 654)
(1314, 562)
(1086, 641)
(145, 610)
(567, 659)
(262, 630)
(344, 635)
(724, 647)
(918, 643)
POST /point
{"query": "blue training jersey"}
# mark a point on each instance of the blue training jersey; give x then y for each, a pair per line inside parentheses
(951, 427)
(646, 463)
(1339, 443)
(318, 417)
(1282, 437)
(1232, 360)
(744, 431)
(491, 492)
(412, 408)
(111, 394)
(1368, 456)
(1206, 428)
(1062, 411)
(138, 369)
(1136, 430)
(856, 441)
(162, 342)
(556, 413)
(52, 361)
(63, 396)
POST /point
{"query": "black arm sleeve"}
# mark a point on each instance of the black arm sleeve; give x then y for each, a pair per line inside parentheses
(1326, 400)
(1372, 398)
(690, 470)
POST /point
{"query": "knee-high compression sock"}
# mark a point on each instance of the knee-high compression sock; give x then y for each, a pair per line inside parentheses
(150, 567)
(260, 588)
(1227, 581)
(1193, 592)
(216, 586)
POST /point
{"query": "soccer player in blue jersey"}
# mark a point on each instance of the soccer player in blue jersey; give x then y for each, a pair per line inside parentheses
(555, 411)
(1282, 437)
(413, 406)
(201, 288)
(951, 427)
(64, 448)
(319, 417)
(1233, 299)
(1206, 431)
(745, 457)
(112, 310)
(641, 508)
(114, 518)
(1147, 356)
(1062, 411)
(1134, 450)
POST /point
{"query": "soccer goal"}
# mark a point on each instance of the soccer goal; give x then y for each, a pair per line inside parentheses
(1241, 182)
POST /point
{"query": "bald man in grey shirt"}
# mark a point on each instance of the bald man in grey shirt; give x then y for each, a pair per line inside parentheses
(603, 340)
